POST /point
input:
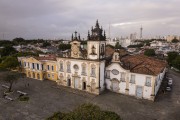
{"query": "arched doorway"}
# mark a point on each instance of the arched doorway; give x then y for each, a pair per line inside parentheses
(34, 75)
(115, 85)
(38, 76)
(84, 86)
(29, 74)
(69, 82)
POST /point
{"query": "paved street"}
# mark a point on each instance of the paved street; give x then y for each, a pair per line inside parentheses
(46, 98)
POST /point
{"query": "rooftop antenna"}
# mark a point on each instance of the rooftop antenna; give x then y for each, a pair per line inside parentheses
(141, 29)
(109, 30)
(3, 36)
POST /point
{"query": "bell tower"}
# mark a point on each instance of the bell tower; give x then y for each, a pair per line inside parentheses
(75, 45)
(96, 43)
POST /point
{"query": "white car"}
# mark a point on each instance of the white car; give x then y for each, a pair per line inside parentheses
(170, 81)
(168, 89)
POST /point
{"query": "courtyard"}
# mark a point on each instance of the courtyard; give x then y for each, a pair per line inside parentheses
(46, 98)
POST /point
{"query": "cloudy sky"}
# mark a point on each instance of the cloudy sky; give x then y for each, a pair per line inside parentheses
(52, 19)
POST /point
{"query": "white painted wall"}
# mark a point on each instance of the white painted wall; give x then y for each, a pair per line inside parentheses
(140, 80)
(102, 75)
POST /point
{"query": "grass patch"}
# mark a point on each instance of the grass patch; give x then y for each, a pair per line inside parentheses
(23, 98)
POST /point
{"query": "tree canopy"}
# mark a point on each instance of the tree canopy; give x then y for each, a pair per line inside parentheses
(9, 63)
(149, 52)
(64, 46)
(171, 57)
(45, 44)
(117, 46)
(7, 50)
(10, 78)
(136, 46)
(175, 40)
(176, 62)
(86, 112)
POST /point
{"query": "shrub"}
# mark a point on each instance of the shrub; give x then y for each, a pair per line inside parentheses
(86, 112)
(23, 98)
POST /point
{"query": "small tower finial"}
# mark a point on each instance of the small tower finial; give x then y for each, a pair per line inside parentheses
(72, 37)
(79, 37)
(75, 34)
(97, 24)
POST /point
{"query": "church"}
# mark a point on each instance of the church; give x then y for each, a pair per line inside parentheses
(90, 69)
(84, 69)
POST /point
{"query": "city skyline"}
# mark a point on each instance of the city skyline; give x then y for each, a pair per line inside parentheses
(53, 19)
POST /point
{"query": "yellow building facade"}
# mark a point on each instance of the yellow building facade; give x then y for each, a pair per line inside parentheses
(38, 68)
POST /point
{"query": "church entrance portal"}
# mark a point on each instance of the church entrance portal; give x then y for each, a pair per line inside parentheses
(69, 82)
(76, 82)
(84, 85)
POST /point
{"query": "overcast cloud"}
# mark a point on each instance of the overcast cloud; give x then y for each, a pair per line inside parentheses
(49, 19)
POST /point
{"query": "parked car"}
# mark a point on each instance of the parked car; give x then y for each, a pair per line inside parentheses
(170, 81)
(168, 88)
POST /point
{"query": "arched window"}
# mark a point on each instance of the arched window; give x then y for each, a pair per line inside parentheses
(93, 50)
(34, 75)
(38, 76)
(61, 76)
(61, 66)
(68, 67)
(83, 69)
(93, 71)
(29, 74)
(102, 49)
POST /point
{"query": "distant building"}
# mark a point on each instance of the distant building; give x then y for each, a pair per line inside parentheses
(169, 38)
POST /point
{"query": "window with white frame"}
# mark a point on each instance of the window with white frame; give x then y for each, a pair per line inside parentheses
(83, 69)
(52, 68)
(52, 75)
(24, 64)
(148, 81)
(49, 75)
(32, 65)
(132, 80)
(93, 71)
(122, 77)
(68, 67)
(42, 66)
(107, 73)
(37, 66)
(61, 66)
(48, 67)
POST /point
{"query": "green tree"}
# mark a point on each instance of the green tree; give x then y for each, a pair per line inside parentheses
(10, 78)
(171, 57)
(64, 46)
(18, 41)
(117, 46)
(86, 112)
(110, 46)
(175, 40)
(8, 50)
(10, 63)
(136, 46)
(45, 44)
(176, 62)
(149, 52)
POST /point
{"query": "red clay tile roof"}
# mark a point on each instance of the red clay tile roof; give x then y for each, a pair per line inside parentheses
(52, 58)
(143, 64)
